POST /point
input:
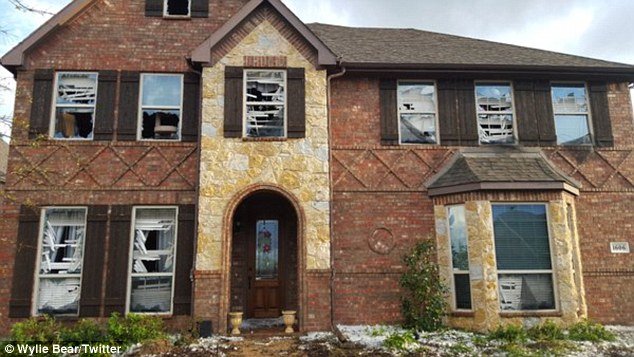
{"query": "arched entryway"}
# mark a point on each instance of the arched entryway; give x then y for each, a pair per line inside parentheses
(264, 263)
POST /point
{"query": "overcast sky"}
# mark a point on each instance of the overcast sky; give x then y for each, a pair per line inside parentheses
(599, 29)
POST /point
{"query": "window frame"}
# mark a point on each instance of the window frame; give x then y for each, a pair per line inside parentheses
(245, 104)
(454, 272)
(552, 270)
(38, 266)
(54, 106)
(139, 129)
(434, 83)
(513, 110)
(167, 15)
(131, 275)
(588, 115)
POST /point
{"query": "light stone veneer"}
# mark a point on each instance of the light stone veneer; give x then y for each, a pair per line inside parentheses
(483, 271)
(299, 166)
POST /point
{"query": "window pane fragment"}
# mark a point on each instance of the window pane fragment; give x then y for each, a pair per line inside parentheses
(58, 296)
(162, 90)
(160, 124)
(418, 128)
(494, 102)
(495, 129)
(458, 235)
(151, 294)
(463, 291)
(416, 98)
(569, 98)
(178, 7)
(265, 121)
(154, 238)
(63, 241)
(572, 129)
(526, 292)
(74, 122)
(76, 88)
(494, 98)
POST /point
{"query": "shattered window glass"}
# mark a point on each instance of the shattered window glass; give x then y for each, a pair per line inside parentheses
(265, 99)
(161, 106)
(177, 8)
(62, 249)
(417, 113)
(570, 106)
(494, 102)
(75, 100)
(153, 259)
(459, 256)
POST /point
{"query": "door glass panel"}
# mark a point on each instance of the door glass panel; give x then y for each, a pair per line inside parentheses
(266, 255)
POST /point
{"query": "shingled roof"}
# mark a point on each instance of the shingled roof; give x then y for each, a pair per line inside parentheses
(500, 169)
(387, 46)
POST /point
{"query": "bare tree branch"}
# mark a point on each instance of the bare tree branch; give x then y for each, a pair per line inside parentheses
(20, 5)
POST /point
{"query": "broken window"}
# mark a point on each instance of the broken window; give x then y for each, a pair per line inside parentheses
(62, 248)
(522, 250)
(161, 106)
(494, 102)
(265, 101)
(570, 106)
(75, 100)
(177, 7)
(153, 260)
(459, 257)
(417, 112)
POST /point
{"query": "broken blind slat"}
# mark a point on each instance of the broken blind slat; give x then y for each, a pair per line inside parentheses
(191, 100)
(389, 110)
(233, 102)
(104, 117)
(200, 8)
(92, 269)
(128, 106)
(467, 117)
(447, 113)
(544, 113)
(600, 114)
(25, 261)
(296, 102)
(184, 260)
(41, 104)
(118, 255)
(527, 126)
(154, 8)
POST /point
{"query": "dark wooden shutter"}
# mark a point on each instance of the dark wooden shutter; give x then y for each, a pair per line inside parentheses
(104, 116)
(527, 124)
(191, 100)
(467, 117)
(601, 114)
(447, 113)
(200, 8)
(389, 112)
(544, 113)
(41, 104)
(93, 265)
(233, 102)
(118, 255)
(128, 106)
(296, 81)
(154, 8)
(184, 259)
(25, 262)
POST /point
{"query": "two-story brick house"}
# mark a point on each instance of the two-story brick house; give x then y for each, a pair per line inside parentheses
(192, 158)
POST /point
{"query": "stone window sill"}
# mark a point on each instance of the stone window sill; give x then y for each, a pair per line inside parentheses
(462, 314)
(531, 314)
(264, 139)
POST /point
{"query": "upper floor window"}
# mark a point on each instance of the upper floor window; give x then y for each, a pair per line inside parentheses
(74, 102)
(572, 113)
(62, 237)
(265, 103)
(459, 257)
(177, 8)
(161, 106)
(494, 104)
(522, 250)
(417, 112)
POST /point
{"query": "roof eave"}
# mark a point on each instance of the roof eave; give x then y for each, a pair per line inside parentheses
(505, 186)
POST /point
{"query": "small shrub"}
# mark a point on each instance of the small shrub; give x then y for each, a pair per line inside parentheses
(589, 331)
(37, 330)
(423, 304)
(510, 333)
(84, 331)
(131, 329)
(548, 331)
(403, 341)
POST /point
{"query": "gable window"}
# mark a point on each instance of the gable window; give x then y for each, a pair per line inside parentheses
(62, 236)
(459, 257)
(75, 100)
(161, 106)
(265, 103)
(177, 8)
(494, 105)
(152, 260)
(522, 249)
(417, 112)
(572, 114)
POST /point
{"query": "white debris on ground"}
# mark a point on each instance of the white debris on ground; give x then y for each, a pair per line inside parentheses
(368, 336)
(256, 324)
(317, 336)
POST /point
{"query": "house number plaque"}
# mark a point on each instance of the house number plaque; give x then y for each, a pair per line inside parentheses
(619, 247)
